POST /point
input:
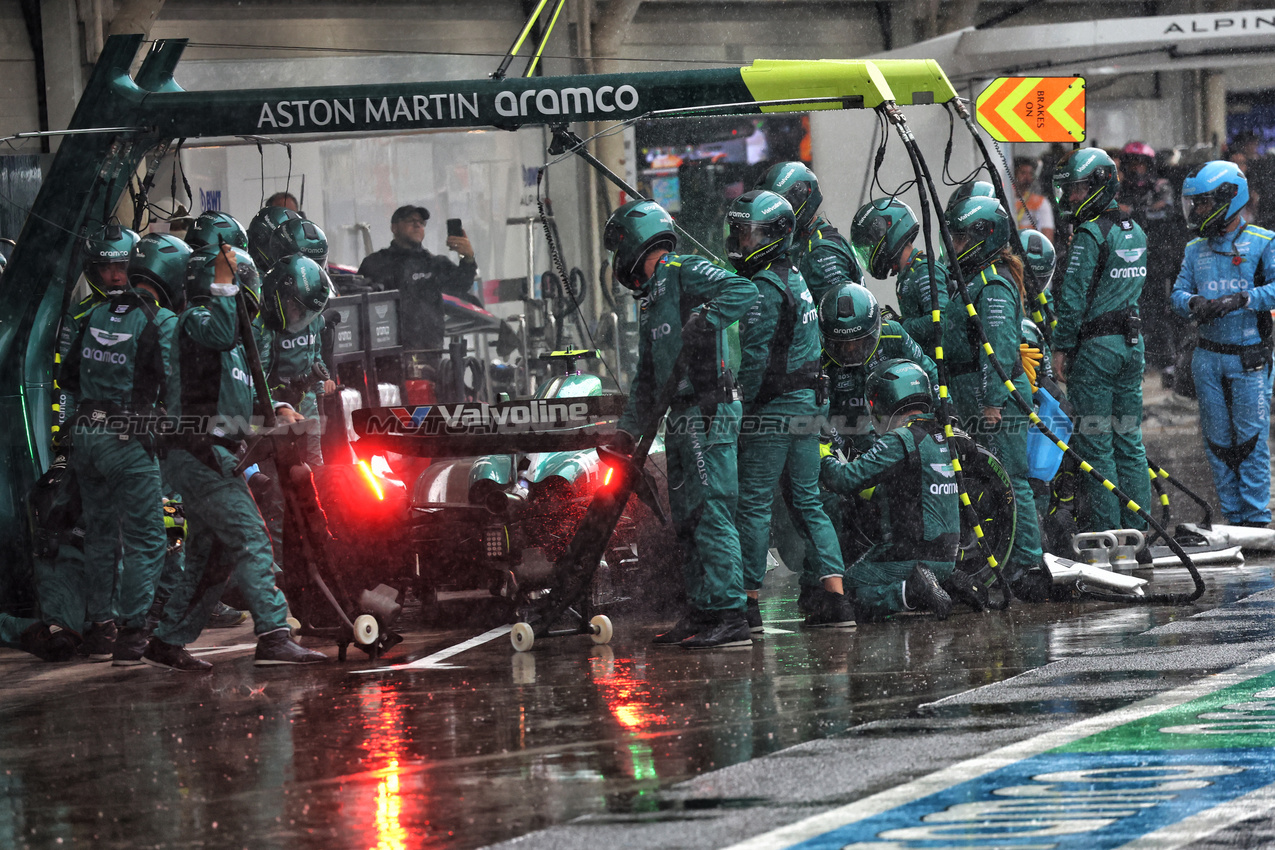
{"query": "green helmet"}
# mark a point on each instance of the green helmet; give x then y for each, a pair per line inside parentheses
(300, 236)
(1031, 334)
(201, 275)
(1039, 253)
(878, 233)
(293, 294)
(850, 322)
(1089, 175)
(160, 260)
(631, 233)
(973, 189)
(760, 225)
(212, 226)
(897, 385)
(261, 230)
(799, 187)
(980, 228)
(106, 246)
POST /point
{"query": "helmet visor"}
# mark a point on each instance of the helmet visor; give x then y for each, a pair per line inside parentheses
(848, 353)
(746, 240)
(1202, 211)
(297, 316)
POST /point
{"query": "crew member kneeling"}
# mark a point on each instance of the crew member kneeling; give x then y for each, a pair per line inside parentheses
(910, 466)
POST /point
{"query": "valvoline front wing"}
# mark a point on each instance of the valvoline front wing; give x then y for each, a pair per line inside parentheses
(477, 428)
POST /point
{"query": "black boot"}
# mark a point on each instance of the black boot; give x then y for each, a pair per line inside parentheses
(829, 610)
(964, 589)
(730, 629)
(160, 654)
(693, 623)
(130, 645)
(277, 647)
(49, 643)
(752, 612)
(99, 641)
(921, 590)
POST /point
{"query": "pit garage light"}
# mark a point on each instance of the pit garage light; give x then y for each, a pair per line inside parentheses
(371, 480)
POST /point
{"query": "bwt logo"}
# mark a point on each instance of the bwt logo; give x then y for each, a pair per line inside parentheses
(210, 200)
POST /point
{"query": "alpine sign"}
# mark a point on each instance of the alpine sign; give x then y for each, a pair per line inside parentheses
(1034, 109)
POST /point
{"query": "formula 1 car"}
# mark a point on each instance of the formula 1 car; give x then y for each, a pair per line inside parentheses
(506, 488)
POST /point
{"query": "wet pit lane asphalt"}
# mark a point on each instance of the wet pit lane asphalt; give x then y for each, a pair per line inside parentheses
(574, 744)
(502, 744)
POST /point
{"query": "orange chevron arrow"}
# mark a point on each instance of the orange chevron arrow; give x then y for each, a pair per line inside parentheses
(1033, 109)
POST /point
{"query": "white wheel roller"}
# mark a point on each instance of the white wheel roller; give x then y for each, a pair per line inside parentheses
(366, 630)
(522, 636)
(602, 630)
(294, 624)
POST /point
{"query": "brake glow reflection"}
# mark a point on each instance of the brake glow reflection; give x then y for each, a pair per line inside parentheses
(606, 482)
(371, 480)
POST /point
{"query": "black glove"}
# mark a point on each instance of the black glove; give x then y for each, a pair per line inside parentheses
(1034, 585)
(1231, 303)
(1206, 310)
(696, 330)
(622, 442)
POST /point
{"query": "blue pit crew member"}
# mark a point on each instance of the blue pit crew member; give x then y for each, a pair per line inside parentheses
(779, 378)
(688, 301)
(1223, 286)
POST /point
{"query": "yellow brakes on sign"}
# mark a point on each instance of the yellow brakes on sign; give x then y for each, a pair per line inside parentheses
(1033, 109)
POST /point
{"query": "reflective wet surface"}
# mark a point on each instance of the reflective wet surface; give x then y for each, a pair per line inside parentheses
(498, 747)
(492, 745)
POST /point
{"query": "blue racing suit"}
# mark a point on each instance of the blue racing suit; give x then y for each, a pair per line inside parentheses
(1232, 364)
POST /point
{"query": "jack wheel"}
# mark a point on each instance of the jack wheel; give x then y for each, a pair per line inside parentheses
(294, 625)
(522, 636)
(602, 629)
(366, 630)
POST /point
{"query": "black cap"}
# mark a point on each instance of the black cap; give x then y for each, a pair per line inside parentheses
(411, 209)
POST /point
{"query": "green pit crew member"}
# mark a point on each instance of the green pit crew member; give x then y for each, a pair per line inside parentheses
(981, 230)
(779, 379)
(855, 341)
(822, 255)
(883, 233)
(211, 395)
(688, 301)
(291, 354)
(118, 370)
(910, 467)
(61, 583)
(213, 227)
(1098, 344)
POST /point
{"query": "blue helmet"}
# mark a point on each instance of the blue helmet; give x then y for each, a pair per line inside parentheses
(1212, 196)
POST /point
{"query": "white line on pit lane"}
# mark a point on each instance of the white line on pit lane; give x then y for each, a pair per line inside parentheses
(892, 798)
(216, 650)
(1198, 826)
(434, 661)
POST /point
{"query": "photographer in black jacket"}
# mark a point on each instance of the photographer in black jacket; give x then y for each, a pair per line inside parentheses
(422, 278)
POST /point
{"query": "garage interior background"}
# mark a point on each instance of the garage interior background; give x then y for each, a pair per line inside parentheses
(1169, 97)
